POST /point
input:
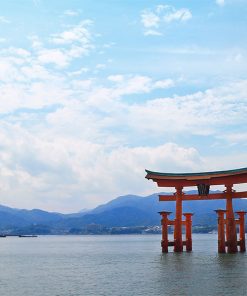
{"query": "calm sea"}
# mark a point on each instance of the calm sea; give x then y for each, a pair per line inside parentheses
(117, 265)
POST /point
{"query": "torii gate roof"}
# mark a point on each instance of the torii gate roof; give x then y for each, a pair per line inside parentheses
(231, 177)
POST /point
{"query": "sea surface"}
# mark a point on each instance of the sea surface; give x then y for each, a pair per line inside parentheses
(117, 265)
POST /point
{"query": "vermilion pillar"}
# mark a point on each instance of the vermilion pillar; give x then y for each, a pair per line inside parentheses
(221, 231)
(188, 231)
(178, 241)
(164, 223)
(241, 231)
(230, 222)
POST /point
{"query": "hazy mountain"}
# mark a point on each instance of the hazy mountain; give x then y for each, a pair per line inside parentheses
(203, 210)
(7, 209)
(10, 220)
(39, 217)
(114, 217)
(128, 210)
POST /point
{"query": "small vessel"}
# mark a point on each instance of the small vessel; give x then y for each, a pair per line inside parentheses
(31, 235)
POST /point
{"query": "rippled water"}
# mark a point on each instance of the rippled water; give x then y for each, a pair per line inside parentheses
(117, 265)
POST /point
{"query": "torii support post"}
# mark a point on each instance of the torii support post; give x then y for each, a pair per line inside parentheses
(232, 246)
(188, 231)
(164, 223)
(241, 215)
(178, 240)
(221, 231)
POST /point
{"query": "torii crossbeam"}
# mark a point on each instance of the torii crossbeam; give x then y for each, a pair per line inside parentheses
(203, 181)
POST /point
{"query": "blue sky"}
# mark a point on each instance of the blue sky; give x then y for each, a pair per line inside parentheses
(94, 92)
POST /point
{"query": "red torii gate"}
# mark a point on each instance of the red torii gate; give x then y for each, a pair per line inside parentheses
(227, 234)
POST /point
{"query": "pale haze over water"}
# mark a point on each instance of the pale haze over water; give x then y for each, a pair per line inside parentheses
(117, 265)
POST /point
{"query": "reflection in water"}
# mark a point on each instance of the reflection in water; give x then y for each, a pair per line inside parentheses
(232, 273)
(203, 272)
(117, 265)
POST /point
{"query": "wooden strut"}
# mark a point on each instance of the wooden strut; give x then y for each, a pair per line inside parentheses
(225, 239)
(232, 246)
(211, 196)
(241, 223)
(178, 241)
(188, 231)
(221, 231)
(165, 222)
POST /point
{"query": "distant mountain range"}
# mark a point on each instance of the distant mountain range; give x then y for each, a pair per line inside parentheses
(124, 211)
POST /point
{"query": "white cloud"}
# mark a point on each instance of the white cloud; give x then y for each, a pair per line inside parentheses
(71, 44)
(82, 84)
(126, 85)
(79, 72)
(8, 71)
(67, 173)
(79, 33)
(167, 83)
(4, 20)
(235, 58)
(183, 14)
(152, 33)
(100, 66)
(35, 71)
(136, 84)
(150, 19)
(116, 78)
(53, 56)
(235, 138)
(36, 42)
(220, 2)
(162, 14)
(202, 113)
(71, 12)
(64, 47)
(18, 52)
